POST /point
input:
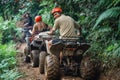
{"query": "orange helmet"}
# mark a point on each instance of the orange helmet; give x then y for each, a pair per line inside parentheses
(57, 9)
(38, 18)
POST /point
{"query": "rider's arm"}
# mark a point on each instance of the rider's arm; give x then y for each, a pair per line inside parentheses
(78, 27)
(56, 26)
(79, 31)
(26, 24)
(51, 31)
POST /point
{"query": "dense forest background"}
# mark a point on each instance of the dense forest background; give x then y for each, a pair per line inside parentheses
(99, 19)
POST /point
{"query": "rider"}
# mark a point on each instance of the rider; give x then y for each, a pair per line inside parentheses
(39, 26)
(27, 25)
(28, 22)
(65, 24)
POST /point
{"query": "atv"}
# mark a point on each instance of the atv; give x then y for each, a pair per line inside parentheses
(72, 63)
(32, 52)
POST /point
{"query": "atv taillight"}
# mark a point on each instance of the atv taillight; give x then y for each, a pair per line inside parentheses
(31, 39)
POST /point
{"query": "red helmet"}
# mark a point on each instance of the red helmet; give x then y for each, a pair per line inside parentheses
(38, 18)
(57, 9)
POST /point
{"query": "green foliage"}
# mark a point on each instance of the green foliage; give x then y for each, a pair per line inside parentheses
(110, 13)
(7, 50)
(100, 34)
(10, 75)
(8, 8)
(8, 31)
(8, 62)
(45, 11)
(111, 55)
(1, 38)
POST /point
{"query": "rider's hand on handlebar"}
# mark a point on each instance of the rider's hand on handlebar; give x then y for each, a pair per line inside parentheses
(49, 33)
(78, 34)
(30, 31)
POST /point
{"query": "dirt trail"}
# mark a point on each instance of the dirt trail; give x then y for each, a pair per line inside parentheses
(31, 73)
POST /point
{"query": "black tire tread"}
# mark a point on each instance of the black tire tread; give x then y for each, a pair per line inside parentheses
(87, 68)
(42, 56)
(52, 68)
(35, 58)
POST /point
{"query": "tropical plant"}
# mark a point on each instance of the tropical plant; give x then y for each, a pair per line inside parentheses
(45, 11)
(110, 13)
(8, 31)
(105, 32)
(8, 62)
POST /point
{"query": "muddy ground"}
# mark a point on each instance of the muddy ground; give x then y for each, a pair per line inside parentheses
(30, 73)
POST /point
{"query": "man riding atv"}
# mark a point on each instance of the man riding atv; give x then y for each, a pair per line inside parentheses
(65, 24)
(65, 52)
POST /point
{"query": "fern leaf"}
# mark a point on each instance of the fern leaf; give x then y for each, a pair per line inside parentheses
(112, 12)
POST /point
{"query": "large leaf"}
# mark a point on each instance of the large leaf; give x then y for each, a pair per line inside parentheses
(113, 12)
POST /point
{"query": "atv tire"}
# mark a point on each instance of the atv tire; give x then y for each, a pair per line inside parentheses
(87, 69)
(42, 56)
(35, 58)
(52, 69)
(26, 53)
